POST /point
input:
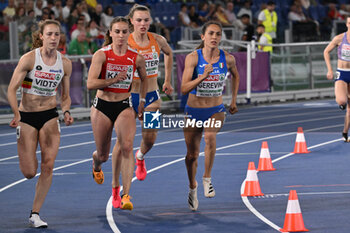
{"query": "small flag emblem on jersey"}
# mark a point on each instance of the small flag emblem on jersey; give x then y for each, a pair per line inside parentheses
(221, 65)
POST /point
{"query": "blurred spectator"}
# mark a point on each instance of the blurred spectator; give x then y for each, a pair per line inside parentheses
(194, 17)
(221, 16)
(72, 19)
(203, 12)
(246, 9)
(333, 12)
(263, 6)
(264, 38)
(9, 11)
(296, 14)
(96, 15)
(62, 45)
(344, 11)
(58, 10)
(83, 10)
(248, 30)
(230, 15)
(29, 6)
(107, 17)
(94, 32)
(304, 28)
(21, 18)
(81, 45)
(66, 10)
(38, 8)
(268, 18)
(184, 18)
(80, 27)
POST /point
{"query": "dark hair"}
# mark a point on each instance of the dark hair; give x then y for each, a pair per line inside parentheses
(260, 25)
(37, 42)
(204, 29)
(108, 38)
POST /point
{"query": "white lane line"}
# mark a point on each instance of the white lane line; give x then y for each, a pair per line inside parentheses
(256, 212)
(109, 207)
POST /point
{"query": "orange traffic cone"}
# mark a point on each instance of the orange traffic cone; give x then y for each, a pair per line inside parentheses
(265, 163)
(293, 221)
(252, 186)
(300, 144)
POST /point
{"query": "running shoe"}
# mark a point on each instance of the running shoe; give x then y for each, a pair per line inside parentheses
(116, 197)
(141, 171)
(345, 137)
(126, 204)
(209, 190)
(36, 222)
(98, 176)
(192, 199)
(342, 107)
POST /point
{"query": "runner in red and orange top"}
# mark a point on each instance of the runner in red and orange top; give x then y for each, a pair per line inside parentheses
(111, 72)
(149, 45)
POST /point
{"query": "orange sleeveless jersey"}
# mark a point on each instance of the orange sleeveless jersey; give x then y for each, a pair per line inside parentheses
(151, 54)
(115, 64)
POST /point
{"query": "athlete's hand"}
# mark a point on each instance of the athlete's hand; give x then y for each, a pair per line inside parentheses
(330, 75)
(14, 122)
(207, 70)
(167, 88)
(141, 109)
(68, 119)
(233, 108)
(121, 76)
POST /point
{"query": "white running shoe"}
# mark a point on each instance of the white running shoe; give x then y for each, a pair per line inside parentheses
(192, 199)
(209, 190)
(36, 222)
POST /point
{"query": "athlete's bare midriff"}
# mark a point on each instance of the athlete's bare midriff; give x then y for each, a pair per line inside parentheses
(343, 64)
(35, 103)
(203, 102)
(112, 96)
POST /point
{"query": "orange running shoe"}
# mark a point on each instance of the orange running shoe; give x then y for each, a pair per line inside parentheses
(141, 171)
(98, 176)
(126, 204)
(116, 201)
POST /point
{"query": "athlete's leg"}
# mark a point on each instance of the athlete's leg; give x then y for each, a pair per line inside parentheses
(27, 143)
(116, 162)
(149, 135)
(49, 140)
(102, 129)
(341, 93)
(347, 118)
(193, 138)
(125, 127)
(210, 143)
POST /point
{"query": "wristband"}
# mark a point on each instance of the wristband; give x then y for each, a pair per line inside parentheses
(142, 100)
(67, 111)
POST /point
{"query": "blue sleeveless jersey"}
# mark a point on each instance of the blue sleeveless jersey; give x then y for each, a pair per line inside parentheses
(214, 84)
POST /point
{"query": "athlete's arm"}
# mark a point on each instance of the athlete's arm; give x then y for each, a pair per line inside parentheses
(94, 72)
(25, 64)
(334, 43)
(168, 61)
(65, 97)
(231, 65)
(188, 84)
(141, 69)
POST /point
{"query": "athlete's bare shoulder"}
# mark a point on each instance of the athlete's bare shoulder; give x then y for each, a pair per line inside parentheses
(27, 61)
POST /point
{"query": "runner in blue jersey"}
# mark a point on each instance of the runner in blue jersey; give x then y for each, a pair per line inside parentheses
(342, 77)
(204, 76)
